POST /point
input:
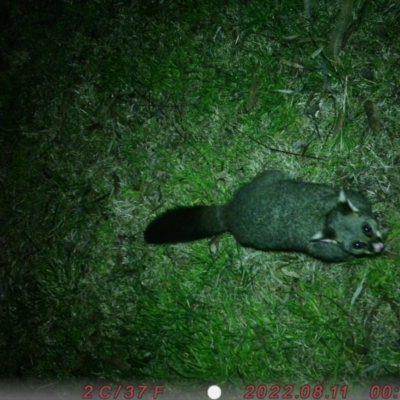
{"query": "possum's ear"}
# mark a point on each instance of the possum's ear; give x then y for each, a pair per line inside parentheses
(345, 206)
(384, 233)
(327, 235)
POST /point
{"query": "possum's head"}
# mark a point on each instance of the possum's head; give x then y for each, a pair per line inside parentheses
(357, 232)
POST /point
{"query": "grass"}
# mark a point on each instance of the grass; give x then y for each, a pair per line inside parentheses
(112, 113)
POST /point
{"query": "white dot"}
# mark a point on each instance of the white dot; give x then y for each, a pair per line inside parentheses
(214, 392)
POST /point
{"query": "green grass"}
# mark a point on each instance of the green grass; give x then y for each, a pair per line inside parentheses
(112, 113)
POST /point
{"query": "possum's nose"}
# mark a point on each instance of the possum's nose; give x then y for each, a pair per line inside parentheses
(378, 247)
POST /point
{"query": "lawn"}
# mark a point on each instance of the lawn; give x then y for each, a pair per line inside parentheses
(112, 112)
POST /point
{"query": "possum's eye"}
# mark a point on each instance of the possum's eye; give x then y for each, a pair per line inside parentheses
(367, 230)
(359, 245)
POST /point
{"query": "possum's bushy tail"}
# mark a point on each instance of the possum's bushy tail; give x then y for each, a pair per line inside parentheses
(186, 224)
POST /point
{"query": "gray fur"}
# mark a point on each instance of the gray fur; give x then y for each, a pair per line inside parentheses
(277, 213)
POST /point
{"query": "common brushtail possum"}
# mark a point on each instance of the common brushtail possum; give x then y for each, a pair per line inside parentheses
(276, 213)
